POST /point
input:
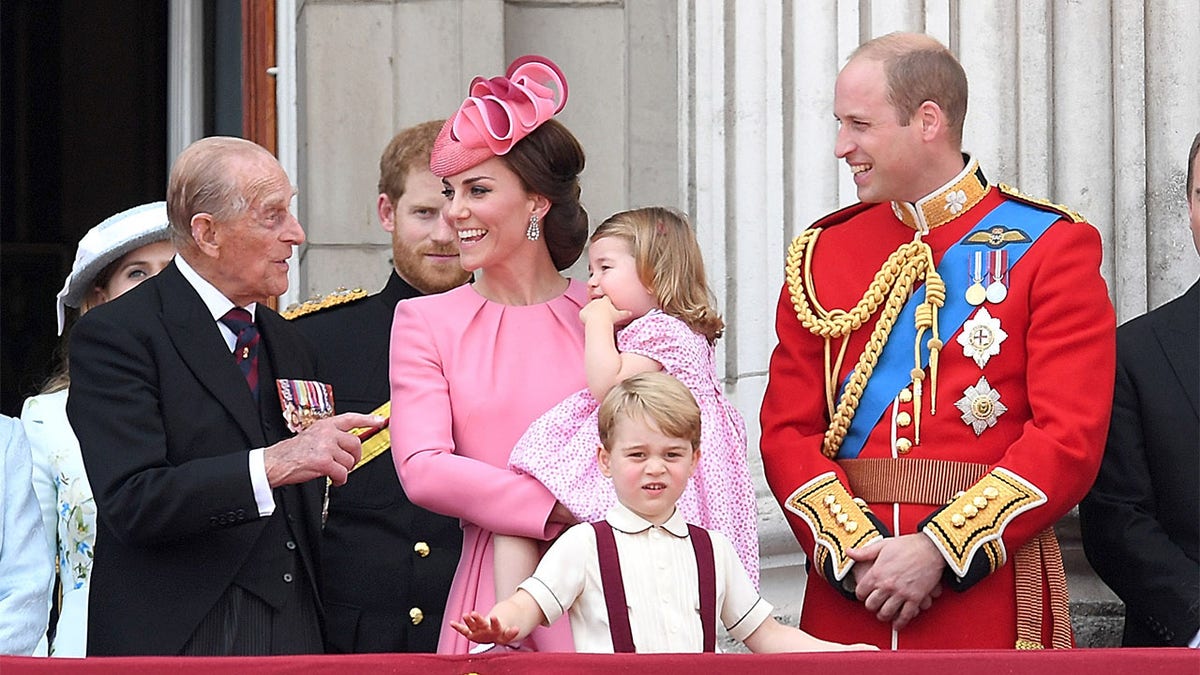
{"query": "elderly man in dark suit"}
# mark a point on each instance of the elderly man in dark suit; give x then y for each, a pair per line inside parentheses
(209, 504)
(387, 563)
(1141, 520)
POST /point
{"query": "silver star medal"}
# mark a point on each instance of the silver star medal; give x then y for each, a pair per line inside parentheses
(981, 337)
(980, 406)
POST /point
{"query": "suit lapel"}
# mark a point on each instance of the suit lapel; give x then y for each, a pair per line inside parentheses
(200, 346)
(1178, 334)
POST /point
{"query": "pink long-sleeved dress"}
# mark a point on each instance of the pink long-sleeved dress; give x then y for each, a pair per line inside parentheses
(468, 376)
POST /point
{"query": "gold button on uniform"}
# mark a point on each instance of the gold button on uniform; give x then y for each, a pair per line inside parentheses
(903, 445)
(421, 548)
(991, 492)
(905, 395)
(979, 502)
(903, 419)
(416, 616)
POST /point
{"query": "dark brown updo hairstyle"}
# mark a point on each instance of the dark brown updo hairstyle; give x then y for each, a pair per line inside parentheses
(548, 161)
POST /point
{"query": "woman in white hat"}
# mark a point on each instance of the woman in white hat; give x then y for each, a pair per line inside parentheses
(113, 257)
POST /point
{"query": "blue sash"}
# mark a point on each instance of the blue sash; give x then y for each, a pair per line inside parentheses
(893, 372)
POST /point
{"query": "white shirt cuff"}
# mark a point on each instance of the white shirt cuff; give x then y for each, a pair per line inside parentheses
(1195, 643)
(263, 496)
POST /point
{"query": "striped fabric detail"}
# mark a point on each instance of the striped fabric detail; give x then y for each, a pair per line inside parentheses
(934, 482)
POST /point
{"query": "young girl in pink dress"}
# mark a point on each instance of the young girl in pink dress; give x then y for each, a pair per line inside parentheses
(647, 279)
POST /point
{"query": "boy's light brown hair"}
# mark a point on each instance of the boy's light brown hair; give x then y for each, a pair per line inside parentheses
(652, 397)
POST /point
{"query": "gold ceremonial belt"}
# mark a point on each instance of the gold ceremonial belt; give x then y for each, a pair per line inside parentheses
(375, 440)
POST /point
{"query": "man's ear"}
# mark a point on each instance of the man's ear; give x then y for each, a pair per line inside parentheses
(932, 119)
(387, 212)
(602, 458)
(204, 233)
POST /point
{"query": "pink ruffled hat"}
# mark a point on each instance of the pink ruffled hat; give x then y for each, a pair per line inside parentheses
(498, 113)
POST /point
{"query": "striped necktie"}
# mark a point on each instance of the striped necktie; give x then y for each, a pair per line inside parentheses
(246, 350)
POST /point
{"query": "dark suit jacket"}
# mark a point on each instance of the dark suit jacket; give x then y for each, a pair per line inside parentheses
(381, 593)
(1140, 520)
(165, 422)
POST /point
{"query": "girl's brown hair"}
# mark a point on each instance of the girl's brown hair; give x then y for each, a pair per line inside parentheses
(669, 263)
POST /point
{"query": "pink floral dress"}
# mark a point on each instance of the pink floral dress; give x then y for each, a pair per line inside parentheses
(559, 448)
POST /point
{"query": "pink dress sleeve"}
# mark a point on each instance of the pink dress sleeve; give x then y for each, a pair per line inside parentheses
(670, 342)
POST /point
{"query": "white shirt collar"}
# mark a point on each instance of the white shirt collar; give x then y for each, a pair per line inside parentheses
(625, 520)
(216, 301)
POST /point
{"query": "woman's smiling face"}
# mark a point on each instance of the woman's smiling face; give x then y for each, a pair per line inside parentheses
(489, 207)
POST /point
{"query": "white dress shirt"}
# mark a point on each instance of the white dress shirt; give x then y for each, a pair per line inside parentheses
(218, 305)
(658, 569)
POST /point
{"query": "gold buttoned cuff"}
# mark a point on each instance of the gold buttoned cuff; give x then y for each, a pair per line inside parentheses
(975, 519)
(838, 521)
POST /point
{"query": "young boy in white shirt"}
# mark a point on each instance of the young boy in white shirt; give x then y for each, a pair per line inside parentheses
(634, 582)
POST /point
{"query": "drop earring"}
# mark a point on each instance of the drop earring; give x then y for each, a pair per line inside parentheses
(533, 232)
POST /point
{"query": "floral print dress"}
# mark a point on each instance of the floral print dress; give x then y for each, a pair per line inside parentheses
(68, 514)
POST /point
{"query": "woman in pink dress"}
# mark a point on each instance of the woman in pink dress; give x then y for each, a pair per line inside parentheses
(472, 367)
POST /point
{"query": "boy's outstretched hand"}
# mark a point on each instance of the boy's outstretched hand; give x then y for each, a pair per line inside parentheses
(478, 628)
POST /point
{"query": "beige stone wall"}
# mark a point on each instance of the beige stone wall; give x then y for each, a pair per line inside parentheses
(368, 69)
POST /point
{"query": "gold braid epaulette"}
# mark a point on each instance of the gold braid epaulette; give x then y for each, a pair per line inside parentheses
(315, 304)
(906, 267)
(1016, 194)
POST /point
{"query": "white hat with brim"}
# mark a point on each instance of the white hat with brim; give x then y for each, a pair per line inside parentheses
(117, 235)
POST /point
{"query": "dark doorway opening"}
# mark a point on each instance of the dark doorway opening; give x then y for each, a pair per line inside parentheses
(83, 134)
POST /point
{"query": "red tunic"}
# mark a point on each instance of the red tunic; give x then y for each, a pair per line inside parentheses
(1054, 372)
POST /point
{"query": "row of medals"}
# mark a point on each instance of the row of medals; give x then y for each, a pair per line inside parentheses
(991, 266)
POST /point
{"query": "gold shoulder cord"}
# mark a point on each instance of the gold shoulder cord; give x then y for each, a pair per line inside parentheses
(906, 267)
(1013, 192)
(317, 303)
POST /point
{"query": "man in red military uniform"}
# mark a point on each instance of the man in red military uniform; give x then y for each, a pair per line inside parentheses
(941, 389)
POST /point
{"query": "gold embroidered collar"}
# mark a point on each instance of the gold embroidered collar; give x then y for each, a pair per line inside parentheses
(947, 202)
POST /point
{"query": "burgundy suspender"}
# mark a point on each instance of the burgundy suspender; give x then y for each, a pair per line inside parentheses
(614, 587)
(702, 547)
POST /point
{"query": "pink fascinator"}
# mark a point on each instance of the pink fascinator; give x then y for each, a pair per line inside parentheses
(498, 113)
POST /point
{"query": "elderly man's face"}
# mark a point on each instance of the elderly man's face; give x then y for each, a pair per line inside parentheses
(255, 245)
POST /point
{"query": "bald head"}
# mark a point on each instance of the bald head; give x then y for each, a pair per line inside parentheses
(207, 177)
(918, 68)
